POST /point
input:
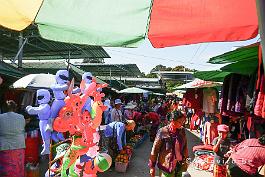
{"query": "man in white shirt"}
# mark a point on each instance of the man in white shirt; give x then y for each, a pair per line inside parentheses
(116, 114)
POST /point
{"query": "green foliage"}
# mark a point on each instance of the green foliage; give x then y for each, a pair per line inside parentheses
(151, 75)
(176, 68)
(171, 85)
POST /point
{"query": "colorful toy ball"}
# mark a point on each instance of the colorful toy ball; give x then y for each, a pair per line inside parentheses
(103, 162)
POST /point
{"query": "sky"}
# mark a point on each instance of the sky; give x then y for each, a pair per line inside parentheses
(191, 56)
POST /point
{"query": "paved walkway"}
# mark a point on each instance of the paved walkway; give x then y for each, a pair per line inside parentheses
(138, 165)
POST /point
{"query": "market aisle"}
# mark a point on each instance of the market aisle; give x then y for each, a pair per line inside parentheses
(138, 166)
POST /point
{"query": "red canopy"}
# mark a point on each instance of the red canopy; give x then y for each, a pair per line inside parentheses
(180, 22)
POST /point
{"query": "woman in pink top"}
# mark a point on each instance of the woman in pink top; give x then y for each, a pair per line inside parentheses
(247, 157)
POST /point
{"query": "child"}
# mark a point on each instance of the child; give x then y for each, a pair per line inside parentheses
(221, 145)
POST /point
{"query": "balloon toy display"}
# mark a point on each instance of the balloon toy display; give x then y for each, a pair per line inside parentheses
(80, 115)
(58, 91)
(43, 111)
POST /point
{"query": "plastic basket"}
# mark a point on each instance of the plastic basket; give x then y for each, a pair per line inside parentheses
(121, 167)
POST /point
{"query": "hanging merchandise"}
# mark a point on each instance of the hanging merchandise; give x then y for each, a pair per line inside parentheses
(241, 94)
(1, 80)
(43, 111)
(81, 155)
(236, 94)
(210, 129)
(260, 99)
(193, 98)
(251, 93)
(259, 109)
(209, 100)
(231, 102)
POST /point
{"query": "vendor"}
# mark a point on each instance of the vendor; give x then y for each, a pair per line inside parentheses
(247, 157)
(116, 114)
(116, 134)
(221, 145)
(12, 142)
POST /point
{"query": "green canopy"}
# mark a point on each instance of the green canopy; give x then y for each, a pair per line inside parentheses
(240, 54)
(8, 70)
(81, 21)
(217, 76)
(245, 67)
(243, 61)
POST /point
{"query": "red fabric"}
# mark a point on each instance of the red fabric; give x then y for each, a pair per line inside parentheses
(180, 22)
(32, 150)
(254, 156)
(137, 116)
(210, 132)
(12, 163)
(154, 117)
(220, 171)
(202, 147)
(196, 118)
(193, 98)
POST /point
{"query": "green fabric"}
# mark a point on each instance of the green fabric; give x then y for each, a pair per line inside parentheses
(241, 54)
(95, 22)
(217, 76)
(246, 67)
(8, 70)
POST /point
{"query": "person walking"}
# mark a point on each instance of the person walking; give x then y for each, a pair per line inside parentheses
(221, 145)
(247, 157)
(12, 142)
(170, 151)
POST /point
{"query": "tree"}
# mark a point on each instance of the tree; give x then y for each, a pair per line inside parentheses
(151, 75)
(159, 68)
(176, 68)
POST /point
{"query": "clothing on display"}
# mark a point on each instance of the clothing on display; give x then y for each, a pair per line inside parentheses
(193, 98)
(118, 128)
(210, 132)
(209, 100)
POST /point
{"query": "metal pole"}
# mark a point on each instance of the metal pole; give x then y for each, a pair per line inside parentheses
(110, 76)
(260, 4)
(68, 61)
(20, 47)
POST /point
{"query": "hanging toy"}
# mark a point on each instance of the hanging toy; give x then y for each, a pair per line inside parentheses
(103, 162)
(43, 111)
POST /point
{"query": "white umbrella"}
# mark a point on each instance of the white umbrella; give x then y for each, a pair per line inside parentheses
(35, 81)
(159, 94)
(198, 83)
(134, 90)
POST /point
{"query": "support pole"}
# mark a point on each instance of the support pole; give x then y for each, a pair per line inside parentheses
(110, 76)
(20, 47)
(260, 4)
(68, 61)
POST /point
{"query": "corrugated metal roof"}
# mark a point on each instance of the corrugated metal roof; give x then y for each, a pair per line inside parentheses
(98, 69)
(52, 68)
(38, 48)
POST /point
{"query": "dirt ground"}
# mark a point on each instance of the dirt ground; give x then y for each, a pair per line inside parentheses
(138, 166)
